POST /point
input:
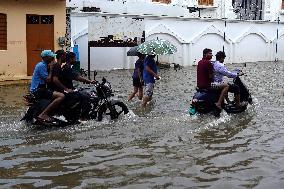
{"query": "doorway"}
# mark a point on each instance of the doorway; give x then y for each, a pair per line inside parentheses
(40, 36)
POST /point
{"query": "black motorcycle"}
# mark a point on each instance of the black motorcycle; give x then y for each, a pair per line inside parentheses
(203, 101)
(103, 105)
(99, 100)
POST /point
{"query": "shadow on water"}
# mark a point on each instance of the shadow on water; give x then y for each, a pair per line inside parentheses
(160, 147)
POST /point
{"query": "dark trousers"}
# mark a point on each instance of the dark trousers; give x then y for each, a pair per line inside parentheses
(85, 104)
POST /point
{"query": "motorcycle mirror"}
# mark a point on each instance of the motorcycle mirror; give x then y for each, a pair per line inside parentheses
(104, 80)
(95, 73)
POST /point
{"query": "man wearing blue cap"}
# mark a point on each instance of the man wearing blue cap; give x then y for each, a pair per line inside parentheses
(38, 85)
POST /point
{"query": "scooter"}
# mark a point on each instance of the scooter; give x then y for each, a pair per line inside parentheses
(203, 102)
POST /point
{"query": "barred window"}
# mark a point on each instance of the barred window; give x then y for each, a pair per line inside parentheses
(206, 2)
(3, 31)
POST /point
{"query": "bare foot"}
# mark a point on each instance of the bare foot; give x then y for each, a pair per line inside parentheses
(45, 118)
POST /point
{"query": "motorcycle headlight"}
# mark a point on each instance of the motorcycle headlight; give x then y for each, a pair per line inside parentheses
(107, 88)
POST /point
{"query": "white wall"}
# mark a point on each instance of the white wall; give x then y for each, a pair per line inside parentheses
(246, 41)
(280, 54)
(220, 9)
(252, 48)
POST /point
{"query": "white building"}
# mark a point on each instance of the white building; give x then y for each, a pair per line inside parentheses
(252, 32)
(216, 9)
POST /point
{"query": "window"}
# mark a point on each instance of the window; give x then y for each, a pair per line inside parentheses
(3, 31)
(206, 2)
(162, 1)
(39, 19)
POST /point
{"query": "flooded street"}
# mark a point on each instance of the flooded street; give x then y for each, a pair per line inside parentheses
(160, 147)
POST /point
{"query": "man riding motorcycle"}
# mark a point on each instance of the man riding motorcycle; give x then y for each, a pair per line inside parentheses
(63, 82)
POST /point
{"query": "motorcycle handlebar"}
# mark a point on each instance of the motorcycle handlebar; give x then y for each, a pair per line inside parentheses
(102, 83)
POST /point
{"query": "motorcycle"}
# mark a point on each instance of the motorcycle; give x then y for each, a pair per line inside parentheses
(100, 101)
(203, 102)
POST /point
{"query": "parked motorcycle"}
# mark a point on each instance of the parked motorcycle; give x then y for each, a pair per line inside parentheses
(100, 100)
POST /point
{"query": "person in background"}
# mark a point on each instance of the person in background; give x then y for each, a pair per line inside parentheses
(150, 73)
(137, 78)
(41, 76)
(220, 71)
(205, 78)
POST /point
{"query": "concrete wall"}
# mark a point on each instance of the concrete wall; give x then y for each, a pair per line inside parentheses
(245, 41)
(14, 59)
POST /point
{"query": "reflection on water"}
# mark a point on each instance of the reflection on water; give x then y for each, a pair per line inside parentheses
(160, 147)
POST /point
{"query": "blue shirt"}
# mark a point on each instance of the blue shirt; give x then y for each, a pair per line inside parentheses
(220, 71)
(147, 77)
(138, 65)
(39, 76)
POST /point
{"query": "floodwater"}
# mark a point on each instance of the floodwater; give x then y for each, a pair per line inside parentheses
(160, 147)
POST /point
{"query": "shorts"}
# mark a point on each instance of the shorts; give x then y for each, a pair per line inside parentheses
(149, 88)
(43, 93)
(233, 88)
(137, 83)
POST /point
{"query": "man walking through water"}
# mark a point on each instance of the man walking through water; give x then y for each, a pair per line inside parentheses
(150, 72)
(205, 77)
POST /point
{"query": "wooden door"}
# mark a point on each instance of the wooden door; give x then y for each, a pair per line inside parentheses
(40, 36)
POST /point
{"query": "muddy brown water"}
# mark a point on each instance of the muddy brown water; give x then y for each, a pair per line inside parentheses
(160, 147)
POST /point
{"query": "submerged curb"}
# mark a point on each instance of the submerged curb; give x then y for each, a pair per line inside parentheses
(4, 82)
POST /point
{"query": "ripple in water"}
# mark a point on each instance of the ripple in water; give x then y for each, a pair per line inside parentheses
(160, 147)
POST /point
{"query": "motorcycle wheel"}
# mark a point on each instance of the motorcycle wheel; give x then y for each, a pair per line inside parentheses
(113, 109)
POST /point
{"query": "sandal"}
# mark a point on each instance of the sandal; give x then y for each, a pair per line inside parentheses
(47, 121)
